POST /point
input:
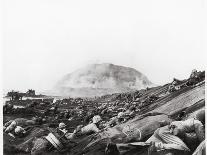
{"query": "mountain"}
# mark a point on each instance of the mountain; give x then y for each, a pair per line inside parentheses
(101, 79)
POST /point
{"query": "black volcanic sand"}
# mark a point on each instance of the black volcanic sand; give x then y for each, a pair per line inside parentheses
(189, 99)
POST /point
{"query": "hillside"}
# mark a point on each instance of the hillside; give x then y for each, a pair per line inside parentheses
(101, 79)
(155, 107)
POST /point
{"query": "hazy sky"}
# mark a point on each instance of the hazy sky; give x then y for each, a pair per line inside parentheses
(46, 39)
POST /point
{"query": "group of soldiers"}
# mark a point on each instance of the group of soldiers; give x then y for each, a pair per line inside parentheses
(195, 78)
(104, 116)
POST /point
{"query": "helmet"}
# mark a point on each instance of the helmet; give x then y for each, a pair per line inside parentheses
(78, 128)
(96, 119)
(19, 130)
(132, 108)
(34, 119)
(13, 123)
(62, 125)
(120, 115)
(44, 120)
(164, 123)
(200, 115)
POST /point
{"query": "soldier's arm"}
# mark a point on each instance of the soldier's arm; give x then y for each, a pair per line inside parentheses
(199, 130)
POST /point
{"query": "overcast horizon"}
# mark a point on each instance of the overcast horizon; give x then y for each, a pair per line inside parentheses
(43, 40)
